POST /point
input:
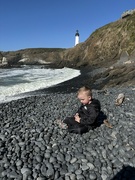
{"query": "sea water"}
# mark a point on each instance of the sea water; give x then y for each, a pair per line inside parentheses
(16, 82)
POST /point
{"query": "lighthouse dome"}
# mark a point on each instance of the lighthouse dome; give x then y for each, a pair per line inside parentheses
(77, 33)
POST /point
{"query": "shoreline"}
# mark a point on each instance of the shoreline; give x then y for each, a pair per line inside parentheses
(88, 76)
(38, 91)
(69, 86)
(72, 85)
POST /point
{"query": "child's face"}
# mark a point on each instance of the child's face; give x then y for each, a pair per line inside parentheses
(84, 98)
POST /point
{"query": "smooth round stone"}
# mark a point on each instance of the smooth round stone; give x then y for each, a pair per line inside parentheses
(24, 170)
(133, 160)
(21, 144)
(92, 176)
(114, 142)
(43, 170)
(7, 164)
(110, 146)
(52, 159)
(67, 178)
(57, 165)
(4, 173)
(71, 168)
(73, 160)
(47, 155)
(93, 153)
(39, 144)
(84, 160)
(13, 174)
(89, 149)
(38, 158)
(97, 163)
(115, 152)
(79, 171)
(37, 149)
(80, 177)
(130, 154)
(89, 158)
(2, 137)
(56, 175)
(35, 175)
(19, 163)
(60, 157)
(128, 148)
(63, 171)
(84, 167)
(68, 157)
(117, 163)
(72, 176)
(104, 154)
(104, 176)
(122, 151)
(91, 166)
(109, 170)
(38, 166)
(76, 165)
(50, 171)
(80, 155)
(42, 148)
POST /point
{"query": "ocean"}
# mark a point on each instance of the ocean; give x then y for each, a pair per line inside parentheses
(15, 83)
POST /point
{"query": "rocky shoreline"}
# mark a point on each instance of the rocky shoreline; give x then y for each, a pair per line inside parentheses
(34, 147)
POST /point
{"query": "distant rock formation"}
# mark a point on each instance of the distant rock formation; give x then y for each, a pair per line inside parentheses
(1, 56)
(3, 61)
(127, 13)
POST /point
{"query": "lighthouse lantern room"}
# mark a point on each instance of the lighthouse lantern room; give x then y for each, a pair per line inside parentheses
(76, 37)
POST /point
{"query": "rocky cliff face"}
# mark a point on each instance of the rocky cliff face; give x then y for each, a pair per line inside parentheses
(1, 56)
(33, 56)
(106, 44)
(109, 47)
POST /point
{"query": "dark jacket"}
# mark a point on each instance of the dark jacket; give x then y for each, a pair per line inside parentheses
(89, 113)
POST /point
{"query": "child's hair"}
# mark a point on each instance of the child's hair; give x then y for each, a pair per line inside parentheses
(85, 89)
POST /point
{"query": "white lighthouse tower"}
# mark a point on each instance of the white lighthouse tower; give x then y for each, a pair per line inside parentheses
(76, 37)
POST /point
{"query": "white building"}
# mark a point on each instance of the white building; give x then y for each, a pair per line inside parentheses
(76, 37)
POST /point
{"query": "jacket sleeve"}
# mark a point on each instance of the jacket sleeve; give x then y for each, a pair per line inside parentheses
(89, 116)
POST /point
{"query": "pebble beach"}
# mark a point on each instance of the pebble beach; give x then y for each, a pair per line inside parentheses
(33, 147)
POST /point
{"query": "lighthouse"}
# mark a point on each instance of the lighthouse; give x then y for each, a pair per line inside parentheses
(76, 37)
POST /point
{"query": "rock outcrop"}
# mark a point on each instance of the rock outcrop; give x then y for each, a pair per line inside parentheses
(3, 61)
(1, 56)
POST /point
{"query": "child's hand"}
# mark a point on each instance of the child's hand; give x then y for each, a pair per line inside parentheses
(77, 118)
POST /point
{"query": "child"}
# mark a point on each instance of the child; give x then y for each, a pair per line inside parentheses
(86, 116)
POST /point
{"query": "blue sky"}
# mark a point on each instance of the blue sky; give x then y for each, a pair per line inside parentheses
(53, 23)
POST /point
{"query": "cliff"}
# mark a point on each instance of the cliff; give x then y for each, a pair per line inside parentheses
(106, 44)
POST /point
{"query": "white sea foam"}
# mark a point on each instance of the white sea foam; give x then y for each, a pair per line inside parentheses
(15, 82)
